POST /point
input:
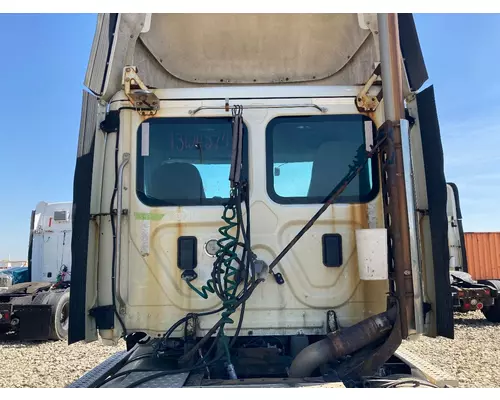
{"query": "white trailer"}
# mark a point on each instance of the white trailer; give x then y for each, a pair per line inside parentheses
(39, 309)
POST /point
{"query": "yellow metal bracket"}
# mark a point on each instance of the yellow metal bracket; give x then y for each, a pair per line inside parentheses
(141, 97)
(366, 102)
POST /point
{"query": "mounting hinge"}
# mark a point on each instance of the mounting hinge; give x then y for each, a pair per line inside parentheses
(411, 97)
(104, 317)
(143, 99)
(366, 102)
(111, 123)
(115, 212)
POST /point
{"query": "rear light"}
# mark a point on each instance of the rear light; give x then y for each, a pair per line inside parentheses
(487, 292)
(460, 293)
(4, 316)
(479, 306)
(467, 306)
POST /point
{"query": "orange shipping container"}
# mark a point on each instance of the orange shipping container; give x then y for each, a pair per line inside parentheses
(483, 254)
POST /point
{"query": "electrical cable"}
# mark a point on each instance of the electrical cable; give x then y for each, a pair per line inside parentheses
(203, 340)
(167, 334)
(113, 229)
(162, 373)
(173, 372)
(203, 364)
(403, 381)
(113, 226)
(169, 372)
(148, 355)
(247, 252)
(225, 277)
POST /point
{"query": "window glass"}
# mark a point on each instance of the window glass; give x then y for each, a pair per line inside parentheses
(307, 156)
(185, 161)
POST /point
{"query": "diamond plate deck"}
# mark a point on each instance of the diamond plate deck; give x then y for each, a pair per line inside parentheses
(91, 377)
(432, 373)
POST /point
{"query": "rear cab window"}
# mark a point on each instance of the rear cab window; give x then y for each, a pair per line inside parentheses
(185, 161)
(307, 156)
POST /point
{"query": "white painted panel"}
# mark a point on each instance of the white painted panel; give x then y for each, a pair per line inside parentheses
(372, 254)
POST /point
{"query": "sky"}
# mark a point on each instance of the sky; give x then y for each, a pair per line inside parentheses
(44, 59)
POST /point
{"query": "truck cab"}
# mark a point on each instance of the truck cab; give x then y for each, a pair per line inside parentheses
(37, 307)
(240, 199)
(467, 293)
(50, 242)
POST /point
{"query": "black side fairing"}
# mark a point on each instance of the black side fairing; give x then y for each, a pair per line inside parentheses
(437, 199)
(82, 186)
(412, 53)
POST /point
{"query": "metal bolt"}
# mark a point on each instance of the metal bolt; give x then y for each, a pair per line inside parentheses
(127, 69)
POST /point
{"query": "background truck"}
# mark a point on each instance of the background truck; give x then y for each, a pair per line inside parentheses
(476, 288)
(252, 196)
(38, 308)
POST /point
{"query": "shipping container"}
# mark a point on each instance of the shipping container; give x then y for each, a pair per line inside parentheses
(483, 254)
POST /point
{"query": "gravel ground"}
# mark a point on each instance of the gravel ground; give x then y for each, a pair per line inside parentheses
(473, 357)
(49, 364)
